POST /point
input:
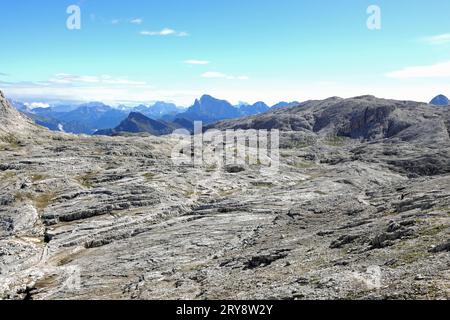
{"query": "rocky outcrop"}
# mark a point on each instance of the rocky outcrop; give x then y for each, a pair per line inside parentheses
(364, 117)
(115, 218)
(11, 120)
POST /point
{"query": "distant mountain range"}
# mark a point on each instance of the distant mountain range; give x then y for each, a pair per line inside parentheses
(97, 117)
(158, 110)
(162, 118)
(90, 117)
(209, 110)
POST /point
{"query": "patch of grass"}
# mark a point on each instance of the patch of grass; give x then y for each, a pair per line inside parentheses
(149, 176)
(252, 160)
(300, 144)
(46, 281)
(304, 164)
(189, 193)
(40, 201)
(38, 177)
(23, 196)
(262, 184)
(334, 141)
(86, 180)
(413, 256)
(211, 168)
(8, 175)
(434, 291)
(433, 231)
(11, 140)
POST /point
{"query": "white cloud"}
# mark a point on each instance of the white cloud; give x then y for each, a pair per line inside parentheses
(439, 39)
(35, 105)
(268, 90)
(164, 32)
(69, 78)
(137, 21)
(64, 78)
(107, 94)
(439, 70)
(197, 62)
(220, 75)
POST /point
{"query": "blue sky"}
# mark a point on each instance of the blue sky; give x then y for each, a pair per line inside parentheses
(247, 50)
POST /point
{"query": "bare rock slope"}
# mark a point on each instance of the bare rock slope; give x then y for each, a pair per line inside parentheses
(11, 120)
(364, 117)
(115, 218)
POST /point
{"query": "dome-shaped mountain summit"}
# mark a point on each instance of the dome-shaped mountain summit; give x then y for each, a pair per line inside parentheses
(440, 100)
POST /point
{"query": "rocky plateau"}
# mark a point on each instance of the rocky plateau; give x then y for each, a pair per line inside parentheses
(359, 209)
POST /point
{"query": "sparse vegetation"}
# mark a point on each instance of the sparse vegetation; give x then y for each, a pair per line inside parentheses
(434, 230)
(11, 140)
(189, 193)
(304, 164)
(310, 229)
(22, 196)
(262, 184)
(334, 141)
(409, 257)
(8, 175)
(87, 180)
(211, 168)
(38, 177)
(226, 193)
(40, 201)
(149, 176)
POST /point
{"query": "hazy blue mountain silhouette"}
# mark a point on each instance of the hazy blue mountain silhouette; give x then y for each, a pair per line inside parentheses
(285, 104)
(440, 100)
(96, 116)
(138, 123)
(250, 110)
(209, 109)
(158, 110)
